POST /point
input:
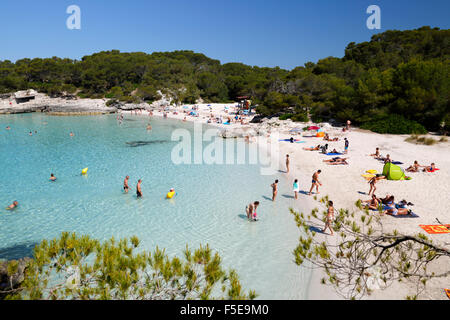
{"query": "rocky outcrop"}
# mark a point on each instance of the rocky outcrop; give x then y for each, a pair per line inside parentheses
(61, 105)
(10, 282)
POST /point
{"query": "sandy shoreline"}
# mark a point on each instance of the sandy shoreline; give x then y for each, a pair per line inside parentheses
(345, 185)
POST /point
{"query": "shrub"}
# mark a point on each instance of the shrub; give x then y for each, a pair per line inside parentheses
(394, 124)
(286, 116)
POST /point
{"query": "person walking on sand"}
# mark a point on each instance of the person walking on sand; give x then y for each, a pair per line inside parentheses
(296, 189)
(274, 189)
(330, 218)
(372, 183)
(287, 163)
(251, 211)
(125, 184)
(348, 124)
(138, 189)
(315, 182)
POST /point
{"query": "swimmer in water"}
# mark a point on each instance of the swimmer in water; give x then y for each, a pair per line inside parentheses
(8, 128)
(71, 134)
(13, 205)
(31, 133)
(149, 127)
(52, 177)
(125, 184)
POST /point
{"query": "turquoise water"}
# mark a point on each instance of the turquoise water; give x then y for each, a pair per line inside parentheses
(209, 207)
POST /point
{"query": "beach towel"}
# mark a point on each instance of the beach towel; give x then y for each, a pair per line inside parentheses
(289, 140)
(333, 154)
(435, 229)
(396, 162)
(447, 291)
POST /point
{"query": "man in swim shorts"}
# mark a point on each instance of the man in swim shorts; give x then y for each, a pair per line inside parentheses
(274, 189)
(52, 177)
(125, 184)
(138, 189)
(315, 181)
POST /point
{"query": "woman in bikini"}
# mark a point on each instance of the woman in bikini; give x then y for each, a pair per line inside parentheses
(414, 168)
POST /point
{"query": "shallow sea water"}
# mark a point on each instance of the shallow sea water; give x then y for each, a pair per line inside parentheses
(209, 207)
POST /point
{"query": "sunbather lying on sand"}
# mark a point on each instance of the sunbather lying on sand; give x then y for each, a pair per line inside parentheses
(312, 149)
(327, 138)
(392, 210)
(414, 168)
(336, 160)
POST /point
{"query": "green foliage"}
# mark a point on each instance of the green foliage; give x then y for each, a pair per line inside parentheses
(394, 124)
(397, 72)
(82, 268)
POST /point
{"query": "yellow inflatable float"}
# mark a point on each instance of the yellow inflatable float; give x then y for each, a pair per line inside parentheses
(84, 171)
(372, 171)
(170, 194)
(368, 176)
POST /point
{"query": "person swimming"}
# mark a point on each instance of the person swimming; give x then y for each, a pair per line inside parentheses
(12, 206)
(52, 177)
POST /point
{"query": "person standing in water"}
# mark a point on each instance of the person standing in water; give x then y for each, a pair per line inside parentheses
(287, 163)
(251, 211)
(296, 189)
(274, 189)
(52, 177)
(125, 184)
(330, 217)
(315, 182)
(138, 189)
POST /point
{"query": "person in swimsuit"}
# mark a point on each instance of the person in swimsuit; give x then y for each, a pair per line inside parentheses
(372, 183)
(8, 128)
(287, 163)
(315, 181)
(312, 149)
(296, 189)
(274, 189)
(338, 162)
(125, 184)
(251, 211)
(138, 189)
(13, 205)
(387, 159)
(376, 154)
(431, 168)
(71, 134)
(330, 217)
(391, 209)
(414, 168)
(52, 177)
(372, 203)
(346, 145)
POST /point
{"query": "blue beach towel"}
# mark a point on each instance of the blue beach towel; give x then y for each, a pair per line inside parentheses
(333, 154)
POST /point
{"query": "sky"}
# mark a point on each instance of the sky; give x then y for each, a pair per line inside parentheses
(265, 33)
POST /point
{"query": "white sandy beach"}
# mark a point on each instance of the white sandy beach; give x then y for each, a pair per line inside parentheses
(345, 185)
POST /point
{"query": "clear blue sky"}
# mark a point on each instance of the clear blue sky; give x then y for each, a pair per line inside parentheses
(285, 33)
